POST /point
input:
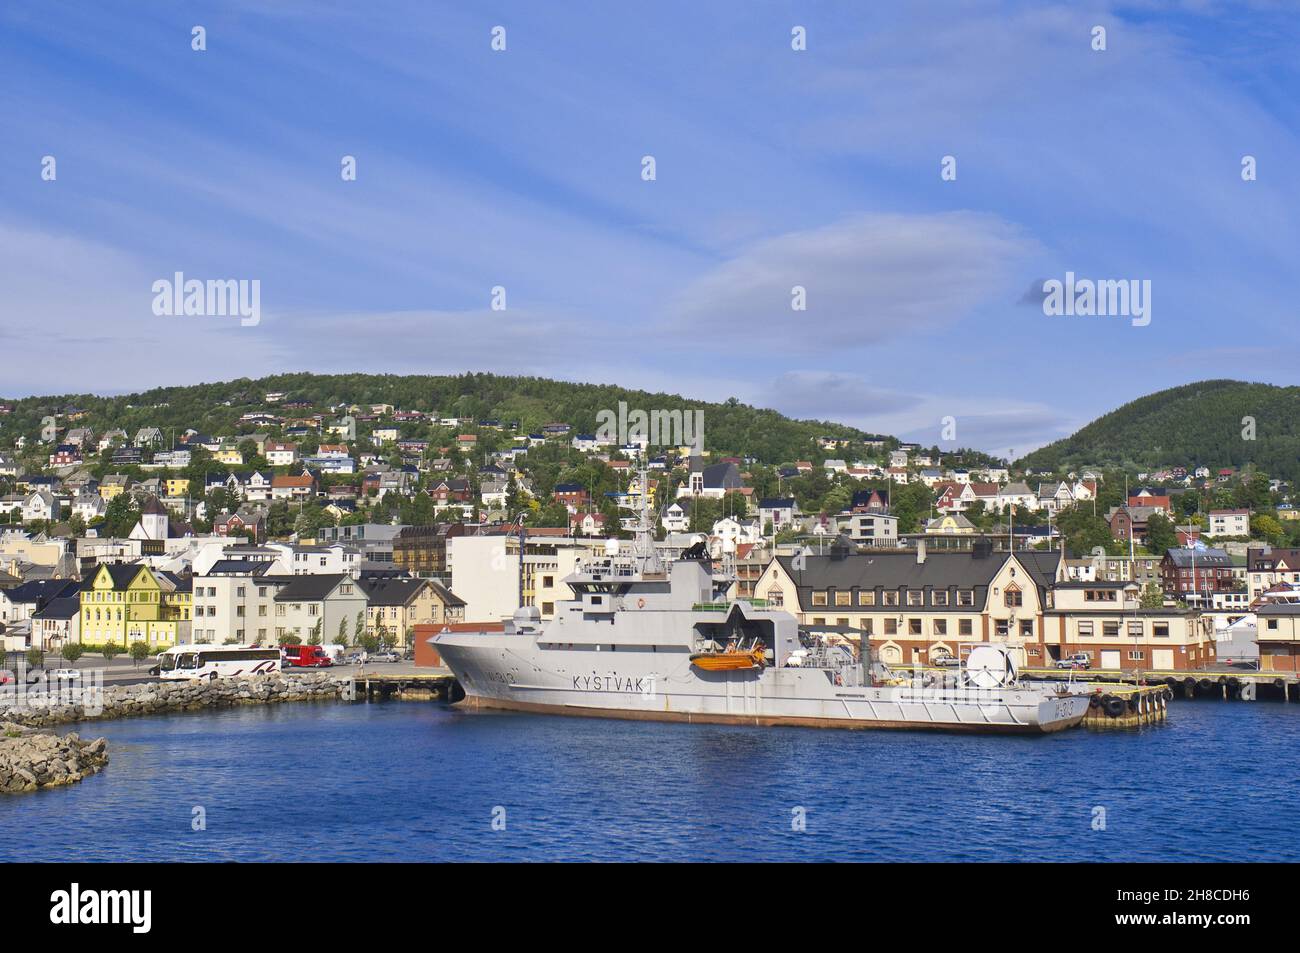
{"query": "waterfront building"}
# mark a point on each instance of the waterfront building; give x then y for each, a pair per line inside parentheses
(917, 605)
(1277, 633)
(396, 605)
(124, 603)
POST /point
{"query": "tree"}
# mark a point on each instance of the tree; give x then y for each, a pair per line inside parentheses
(289, 640)
(315, 637)
(1160, 533)
(1084, 532)
(120, 516)
(139, 652)
(72, 651)
(110, 651)
(35, 658)
(342, 637)
(1269, 529)
(1153, 597)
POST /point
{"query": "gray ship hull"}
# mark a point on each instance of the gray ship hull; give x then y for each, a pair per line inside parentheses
(513, 672)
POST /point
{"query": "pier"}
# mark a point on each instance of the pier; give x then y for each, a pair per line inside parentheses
(435, 684)
(1228, 684)
(1116, 705)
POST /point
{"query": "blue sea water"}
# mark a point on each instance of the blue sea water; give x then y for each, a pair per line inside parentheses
(422, 782)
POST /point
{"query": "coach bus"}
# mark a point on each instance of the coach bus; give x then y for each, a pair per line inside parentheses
(216, 661)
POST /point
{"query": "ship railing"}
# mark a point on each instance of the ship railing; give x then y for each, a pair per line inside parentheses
(845, 668)
(618, 568)
(724, 606)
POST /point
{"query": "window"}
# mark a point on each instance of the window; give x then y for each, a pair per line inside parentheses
(965, 597)
(891, 627)
(940, 626)
(1160, 630)
(940, 597)
(1085, 629)
(915, 597)
(964, 627)
(914, 626)
(1135, 629)
(819, 598)
(1003, 628)
(1136, 655)
(1026, 627)
(1110, 630)
(1012, 598)
(891, 598)
(867, 597)
(865, 626)
(843, 598)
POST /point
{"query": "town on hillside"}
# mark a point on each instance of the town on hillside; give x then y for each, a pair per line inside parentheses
(367, 525)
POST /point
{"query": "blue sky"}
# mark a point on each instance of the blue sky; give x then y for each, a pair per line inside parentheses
(774, 167)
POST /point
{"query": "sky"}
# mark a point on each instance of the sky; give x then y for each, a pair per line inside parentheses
(522, 169)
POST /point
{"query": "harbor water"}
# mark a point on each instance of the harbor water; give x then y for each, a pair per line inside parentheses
(423, 782)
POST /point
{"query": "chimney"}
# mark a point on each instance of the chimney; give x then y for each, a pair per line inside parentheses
(920, 551)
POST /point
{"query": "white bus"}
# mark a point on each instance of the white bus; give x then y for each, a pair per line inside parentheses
(216, 661)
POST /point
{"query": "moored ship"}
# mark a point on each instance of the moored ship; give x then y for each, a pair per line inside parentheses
(641, 639)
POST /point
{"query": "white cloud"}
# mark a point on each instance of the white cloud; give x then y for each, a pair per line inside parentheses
(868, 278)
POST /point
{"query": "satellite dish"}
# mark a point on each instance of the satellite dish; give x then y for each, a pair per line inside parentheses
(990, 666)
(611, 547)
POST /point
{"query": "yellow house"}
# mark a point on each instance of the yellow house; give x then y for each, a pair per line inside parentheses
(229, 455)
(112, 486)
(950, 524)
(122, 603)
(177, 486)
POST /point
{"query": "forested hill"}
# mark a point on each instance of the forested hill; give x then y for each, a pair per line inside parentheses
(1195, 425)
(730, 427)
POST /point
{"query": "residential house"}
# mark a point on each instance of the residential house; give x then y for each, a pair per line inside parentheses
(713, 482)
(1229, 523)
(40, 505)
(777, 513)
(287, 487)
(1266, 568)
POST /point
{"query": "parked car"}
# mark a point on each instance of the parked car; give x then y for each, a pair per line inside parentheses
(387, 656)
(65, 675)
(356, 658)
(1077, 660)
(945, 660)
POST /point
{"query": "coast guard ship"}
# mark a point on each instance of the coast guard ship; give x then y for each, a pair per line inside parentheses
(648, 640)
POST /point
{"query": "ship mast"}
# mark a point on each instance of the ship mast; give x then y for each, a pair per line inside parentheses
(643, 545)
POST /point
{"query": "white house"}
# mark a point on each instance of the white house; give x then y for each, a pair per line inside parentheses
(40, 505)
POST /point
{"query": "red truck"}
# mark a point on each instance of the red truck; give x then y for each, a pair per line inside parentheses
(307, 656)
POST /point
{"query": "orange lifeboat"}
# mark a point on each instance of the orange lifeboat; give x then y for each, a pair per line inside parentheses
(733, 661)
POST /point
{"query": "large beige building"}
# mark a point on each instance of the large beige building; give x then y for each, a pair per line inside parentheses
(915, 606)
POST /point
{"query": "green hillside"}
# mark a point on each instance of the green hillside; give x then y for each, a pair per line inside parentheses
(1194, 425)
(216, 408)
